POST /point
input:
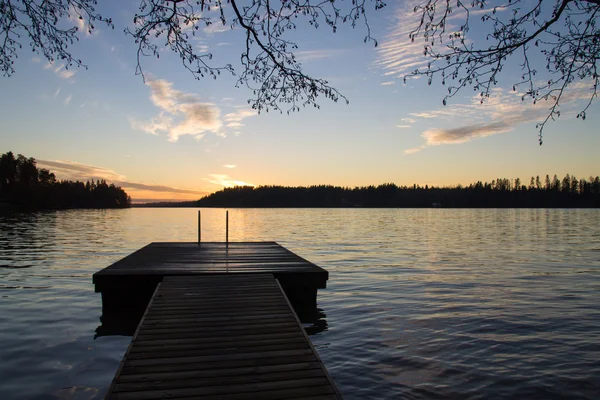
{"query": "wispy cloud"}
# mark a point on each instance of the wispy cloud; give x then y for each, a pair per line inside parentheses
(397, 55)
(79, 172)
(159, 123)
(64, 73)
(230, 166)
(466, 133)
(234, 119)
(215, 28)
(74, 171)
(61, 70)
(403, 126)
(68, 100)
(181, 113)
(501, 113)
(76, 17)
(157, 188)
(322, 54)
(226, 181)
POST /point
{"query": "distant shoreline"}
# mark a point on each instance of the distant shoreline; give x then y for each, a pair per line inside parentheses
(502, 193)
(175, 205)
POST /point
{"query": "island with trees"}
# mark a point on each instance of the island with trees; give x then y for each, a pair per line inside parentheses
(23, 185)
(568, 192)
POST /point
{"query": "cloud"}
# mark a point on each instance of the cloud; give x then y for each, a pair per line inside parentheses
(415, 150)
(462, 134)
(181, 113)
(459, 123)
(314, 55)
(466, 133)
(157, 188)
(230, 166)
(64, 73)
(234, 119)
(216, 27)
(70, 170)
(226, 181)
(60, 70)
(68, 100)
(397, 55)
(75, 16)
(159, 123)
(403, 126)
(501, 113)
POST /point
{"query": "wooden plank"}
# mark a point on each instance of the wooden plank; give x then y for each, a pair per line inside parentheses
(218, 372)
(287, 393)
(194, 342)
(145, 347)
(216, 333)
(158, 384)
(218, 354)
(169, 259)
(198, 391)
(222, 339)
(257, 362)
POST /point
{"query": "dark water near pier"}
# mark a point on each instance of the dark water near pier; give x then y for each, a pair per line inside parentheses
(421, 304)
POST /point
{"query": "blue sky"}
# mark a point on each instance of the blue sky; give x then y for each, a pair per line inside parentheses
(172, 137)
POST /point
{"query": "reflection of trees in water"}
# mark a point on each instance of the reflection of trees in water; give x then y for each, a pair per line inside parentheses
(26, 238)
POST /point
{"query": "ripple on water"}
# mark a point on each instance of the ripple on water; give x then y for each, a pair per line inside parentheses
(421, 304)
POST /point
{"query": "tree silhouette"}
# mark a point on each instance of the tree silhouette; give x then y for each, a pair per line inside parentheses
(563, 32)
(269, 66)
(499, 193)
(22, 184)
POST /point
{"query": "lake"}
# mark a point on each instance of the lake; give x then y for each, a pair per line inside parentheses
(420, 303)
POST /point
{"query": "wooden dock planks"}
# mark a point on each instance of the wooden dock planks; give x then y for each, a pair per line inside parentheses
(221, 337)
(159, 259)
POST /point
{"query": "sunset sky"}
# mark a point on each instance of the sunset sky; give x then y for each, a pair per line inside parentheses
(175, 138)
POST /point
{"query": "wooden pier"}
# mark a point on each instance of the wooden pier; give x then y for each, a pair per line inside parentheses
(130, 282)
(220, 321)
(221, 337)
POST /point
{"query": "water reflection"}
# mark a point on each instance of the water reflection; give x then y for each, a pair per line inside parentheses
(420, 304)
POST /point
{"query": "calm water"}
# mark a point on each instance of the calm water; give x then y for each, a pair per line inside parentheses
(420, 304)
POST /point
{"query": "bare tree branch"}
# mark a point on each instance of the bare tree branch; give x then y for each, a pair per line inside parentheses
(42, 26)
(564, 32)
(269, 66)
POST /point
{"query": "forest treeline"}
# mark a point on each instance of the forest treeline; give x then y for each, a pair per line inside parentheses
(537, 193)
(23, 184)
